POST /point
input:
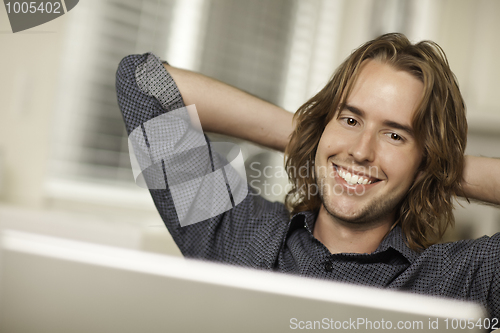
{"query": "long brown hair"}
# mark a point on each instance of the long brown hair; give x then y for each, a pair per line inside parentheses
(439, 124)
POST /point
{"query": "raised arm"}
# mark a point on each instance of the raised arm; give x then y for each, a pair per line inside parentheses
(226, 110)
(482, 179)
(202, 201)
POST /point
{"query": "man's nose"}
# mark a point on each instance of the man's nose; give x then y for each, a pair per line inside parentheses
(362, 148)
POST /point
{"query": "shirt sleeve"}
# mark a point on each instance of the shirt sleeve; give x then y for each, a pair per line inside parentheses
(494, 292)
(235, 225)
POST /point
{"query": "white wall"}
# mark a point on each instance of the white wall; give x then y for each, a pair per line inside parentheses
(29, 73)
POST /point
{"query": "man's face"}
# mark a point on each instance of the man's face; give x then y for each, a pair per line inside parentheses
(367, 157)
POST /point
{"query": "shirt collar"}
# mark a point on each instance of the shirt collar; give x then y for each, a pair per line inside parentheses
(302, 220)
(394, 239)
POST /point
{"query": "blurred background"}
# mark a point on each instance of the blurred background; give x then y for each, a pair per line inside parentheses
(63, 146)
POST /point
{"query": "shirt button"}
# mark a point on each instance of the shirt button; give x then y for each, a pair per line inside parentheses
(328, 267)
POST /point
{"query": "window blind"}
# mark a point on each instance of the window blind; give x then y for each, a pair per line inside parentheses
(242, 43)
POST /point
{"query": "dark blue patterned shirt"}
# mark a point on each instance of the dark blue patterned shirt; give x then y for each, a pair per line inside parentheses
(260, 234)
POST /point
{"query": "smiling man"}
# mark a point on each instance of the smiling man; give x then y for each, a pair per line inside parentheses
(383, 145)
(369, 140)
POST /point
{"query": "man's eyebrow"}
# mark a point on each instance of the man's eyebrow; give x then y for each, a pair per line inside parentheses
(399, 126)
(388, 123)
(354, 110)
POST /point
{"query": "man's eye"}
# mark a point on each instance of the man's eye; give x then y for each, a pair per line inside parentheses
(351, 121)
(395, 137)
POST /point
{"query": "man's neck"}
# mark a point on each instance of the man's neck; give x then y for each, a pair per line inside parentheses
(344, 237)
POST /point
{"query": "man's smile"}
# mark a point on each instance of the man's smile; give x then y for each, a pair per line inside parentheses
(354, 177)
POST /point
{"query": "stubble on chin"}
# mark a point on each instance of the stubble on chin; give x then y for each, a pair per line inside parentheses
(377, 211)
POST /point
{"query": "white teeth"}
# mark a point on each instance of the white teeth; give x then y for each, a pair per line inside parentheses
(353, 179)
(348, 177)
